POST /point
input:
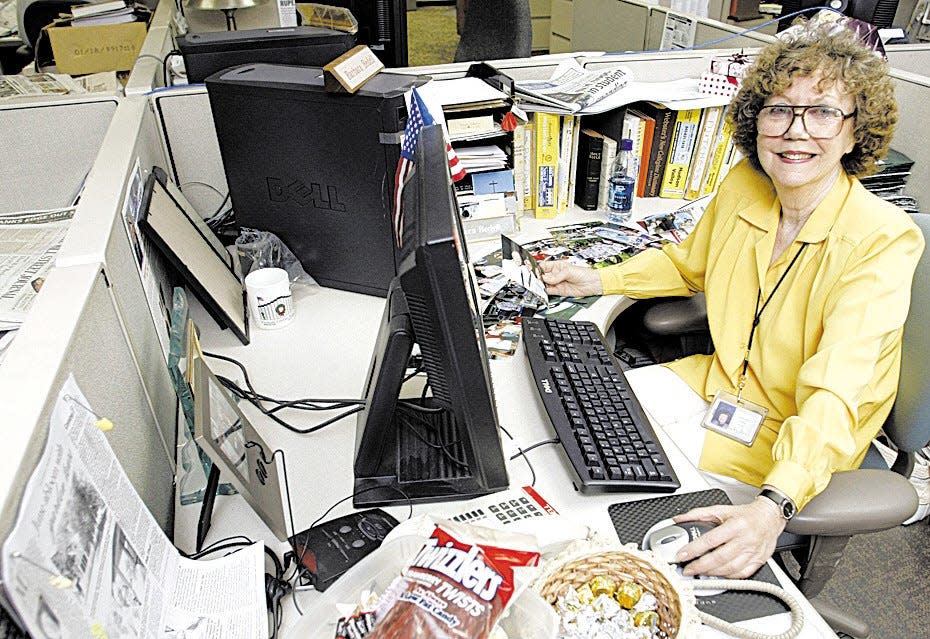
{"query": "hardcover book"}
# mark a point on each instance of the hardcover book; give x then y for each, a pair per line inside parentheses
(587, 182)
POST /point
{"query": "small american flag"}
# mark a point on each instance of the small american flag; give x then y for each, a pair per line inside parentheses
(418, 117)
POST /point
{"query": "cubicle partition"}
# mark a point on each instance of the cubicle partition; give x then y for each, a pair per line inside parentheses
(914, 58)
(708, 32)
(189, 138)
(74, 328)
(148, 71)
(49, 147)
(913, 94)
(100, 235)
(637, 25)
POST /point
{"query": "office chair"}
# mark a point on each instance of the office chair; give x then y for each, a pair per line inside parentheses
(495, 29)
(870, 499)
(33, 16)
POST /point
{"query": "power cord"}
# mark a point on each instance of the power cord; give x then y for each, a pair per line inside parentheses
(311, 404)
(521, 454)
(276, 586)
(164, 66)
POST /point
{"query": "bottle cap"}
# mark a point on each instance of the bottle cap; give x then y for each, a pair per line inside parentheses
(626, 145)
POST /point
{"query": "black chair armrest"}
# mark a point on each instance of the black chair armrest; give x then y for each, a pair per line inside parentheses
(857, 501)
(677, 316)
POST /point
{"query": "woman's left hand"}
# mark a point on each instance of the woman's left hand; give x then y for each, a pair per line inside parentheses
(742, 541)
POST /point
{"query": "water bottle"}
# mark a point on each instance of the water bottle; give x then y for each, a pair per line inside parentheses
(622, 184)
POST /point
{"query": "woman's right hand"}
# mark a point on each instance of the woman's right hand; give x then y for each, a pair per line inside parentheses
(570, 280)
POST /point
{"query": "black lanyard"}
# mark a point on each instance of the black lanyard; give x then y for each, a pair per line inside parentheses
(758, 314)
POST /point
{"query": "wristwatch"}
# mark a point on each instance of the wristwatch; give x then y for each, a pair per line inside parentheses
(785, 506)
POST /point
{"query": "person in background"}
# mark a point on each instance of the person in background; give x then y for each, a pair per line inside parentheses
(807, 280)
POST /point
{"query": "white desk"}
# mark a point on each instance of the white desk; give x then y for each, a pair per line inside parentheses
(325, 353)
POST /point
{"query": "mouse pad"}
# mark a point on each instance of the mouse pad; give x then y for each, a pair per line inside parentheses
(633, 519)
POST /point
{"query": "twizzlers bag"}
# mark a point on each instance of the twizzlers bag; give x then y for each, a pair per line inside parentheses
(458, 584)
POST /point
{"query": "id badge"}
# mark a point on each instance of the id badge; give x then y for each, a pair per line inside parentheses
(736, 418)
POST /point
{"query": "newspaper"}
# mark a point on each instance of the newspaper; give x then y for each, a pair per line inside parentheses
(6, 339)
(15, 86)
(87, 559)
(572, 88)
(29, 242)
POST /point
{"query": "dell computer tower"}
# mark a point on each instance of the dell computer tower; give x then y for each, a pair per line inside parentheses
(211, 51)
(315, 168)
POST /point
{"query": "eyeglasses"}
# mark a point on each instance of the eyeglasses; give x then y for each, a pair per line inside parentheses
(819, 120)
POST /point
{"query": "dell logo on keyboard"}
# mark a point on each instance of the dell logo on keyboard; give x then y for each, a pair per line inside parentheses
(313, 195)
(546, 386)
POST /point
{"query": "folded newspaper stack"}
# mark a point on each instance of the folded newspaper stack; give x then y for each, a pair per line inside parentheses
(571, 87)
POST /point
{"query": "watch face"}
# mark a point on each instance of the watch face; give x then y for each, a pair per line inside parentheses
(787, 509)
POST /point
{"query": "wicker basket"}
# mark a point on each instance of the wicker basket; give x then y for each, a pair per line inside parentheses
(676, 608)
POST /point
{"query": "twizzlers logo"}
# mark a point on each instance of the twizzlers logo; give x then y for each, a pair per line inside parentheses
(465, 567)
(317, 195)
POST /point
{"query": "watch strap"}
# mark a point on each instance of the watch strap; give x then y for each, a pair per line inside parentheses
(785, 505)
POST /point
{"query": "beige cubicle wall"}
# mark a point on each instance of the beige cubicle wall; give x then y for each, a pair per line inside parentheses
(49, 146)
(637, 25)
(913, 94)
(148, 71)
(74, 328)
(708, 33)
(914, 58)
(98, 235)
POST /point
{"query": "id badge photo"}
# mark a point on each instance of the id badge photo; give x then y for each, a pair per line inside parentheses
(734, 417)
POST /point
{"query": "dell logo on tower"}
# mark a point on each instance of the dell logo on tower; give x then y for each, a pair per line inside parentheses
(279, 191)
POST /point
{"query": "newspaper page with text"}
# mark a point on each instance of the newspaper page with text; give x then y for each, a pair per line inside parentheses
(28, 245)
(573, 88)
(87, 559)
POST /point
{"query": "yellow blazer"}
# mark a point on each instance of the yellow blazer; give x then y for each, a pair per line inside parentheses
(826, 354)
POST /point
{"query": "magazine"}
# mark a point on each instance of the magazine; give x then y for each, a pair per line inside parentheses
(572, 88)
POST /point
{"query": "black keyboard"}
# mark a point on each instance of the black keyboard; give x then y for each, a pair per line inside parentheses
(599, 421)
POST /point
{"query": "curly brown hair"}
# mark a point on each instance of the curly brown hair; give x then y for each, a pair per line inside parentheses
(839, 57)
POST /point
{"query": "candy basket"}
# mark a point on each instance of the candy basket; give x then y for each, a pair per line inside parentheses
(676, 607)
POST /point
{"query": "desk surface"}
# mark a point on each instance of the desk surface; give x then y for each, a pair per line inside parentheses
(325, 352)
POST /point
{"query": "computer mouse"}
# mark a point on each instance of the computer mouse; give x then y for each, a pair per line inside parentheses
(665, 538)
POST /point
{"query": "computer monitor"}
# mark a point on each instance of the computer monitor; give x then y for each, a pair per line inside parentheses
(382, 25)
(445, 446)
(877, 12)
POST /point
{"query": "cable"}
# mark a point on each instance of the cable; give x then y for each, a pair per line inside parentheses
(211, 548)
(248, 383)
(441, 446)
(797, 615)
(164, 67)
(256, 399)
(524, 451)
(525, 457)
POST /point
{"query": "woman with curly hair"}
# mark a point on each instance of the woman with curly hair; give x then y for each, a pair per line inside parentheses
(807, 281)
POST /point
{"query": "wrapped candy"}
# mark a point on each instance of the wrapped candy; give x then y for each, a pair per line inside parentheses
(601, 585)
(605, 616)
(628, 594)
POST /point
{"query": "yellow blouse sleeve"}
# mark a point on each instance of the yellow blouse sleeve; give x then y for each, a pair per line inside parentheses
(676, 269)
(862, 323)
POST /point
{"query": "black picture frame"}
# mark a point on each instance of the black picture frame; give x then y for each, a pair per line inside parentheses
(180, 234)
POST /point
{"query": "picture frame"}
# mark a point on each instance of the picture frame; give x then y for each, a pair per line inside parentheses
(179, 232)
